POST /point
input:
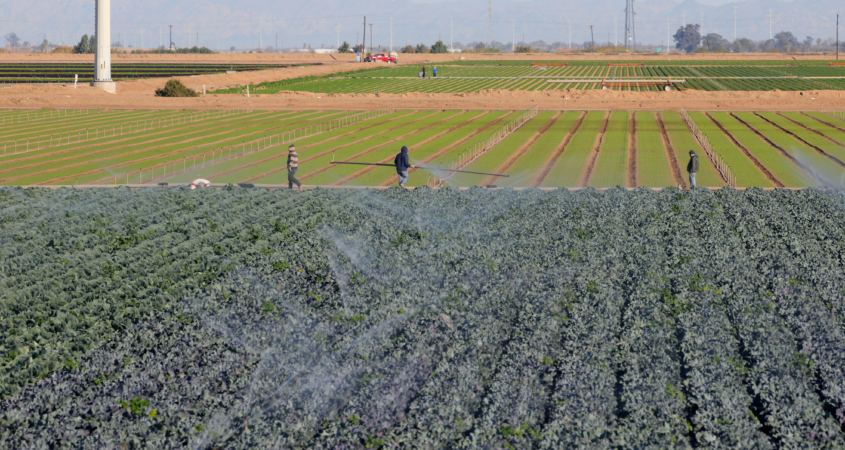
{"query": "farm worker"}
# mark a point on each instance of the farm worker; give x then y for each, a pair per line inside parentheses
(423, 71)
(692, 168)
(402, 166)
(293, 165)
(435, 71)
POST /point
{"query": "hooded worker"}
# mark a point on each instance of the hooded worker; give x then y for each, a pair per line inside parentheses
(692, 168)
(293, 166)
(402, 166)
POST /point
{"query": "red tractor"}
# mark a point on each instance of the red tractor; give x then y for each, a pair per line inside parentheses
(382, 57)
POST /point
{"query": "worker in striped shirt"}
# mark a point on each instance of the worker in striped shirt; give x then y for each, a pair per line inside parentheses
(293, 165)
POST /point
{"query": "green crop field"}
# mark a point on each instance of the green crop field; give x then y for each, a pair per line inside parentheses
(682, 142)
(473, 76)
(242, 319)
(551, 149)
(652, 163)
(612, 161)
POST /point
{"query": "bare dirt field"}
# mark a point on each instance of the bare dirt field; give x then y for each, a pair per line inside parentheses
(140, 94)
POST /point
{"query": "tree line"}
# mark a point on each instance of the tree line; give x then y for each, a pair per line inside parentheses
(688, 38)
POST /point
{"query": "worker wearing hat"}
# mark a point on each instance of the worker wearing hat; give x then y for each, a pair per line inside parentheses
(293, 166)
(692, 168)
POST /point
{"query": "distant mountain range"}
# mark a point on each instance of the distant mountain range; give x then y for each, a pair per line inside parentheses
(221, 24)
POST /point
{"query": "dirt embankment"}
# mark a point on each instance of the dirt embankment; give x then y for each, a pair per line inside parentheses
(139, 95)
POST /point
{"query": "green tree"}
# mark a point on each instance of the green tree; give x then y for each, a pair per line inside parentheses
(688, 38)
(421, 48)
(408, 49)
(714, 43)
(744, 45)
(82, 46)
(439, 47)
(344, 48)
(786, 41)
(13, 39)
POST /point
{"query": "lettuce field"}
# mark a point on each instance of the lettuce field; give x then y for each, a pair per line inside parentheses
(551, 149)
(246, 318)
(653, 75)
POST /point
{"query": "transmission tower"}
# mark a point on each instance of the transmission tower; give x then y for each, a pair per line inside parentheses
(629, 25)
(491, 36)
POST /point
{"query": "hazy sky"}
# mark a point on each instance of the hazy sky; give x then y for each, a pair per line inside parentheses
(703, 2)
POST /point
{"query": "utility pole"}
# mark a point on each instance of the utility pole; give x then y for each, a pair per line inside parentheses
(364, 44)
(171, 38)
(371, 38)
(491, 36)
(592, 39)
(633, 27)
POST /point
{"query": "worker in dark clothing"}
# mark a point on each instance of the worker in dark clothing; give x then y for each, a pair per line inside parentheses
(692, 168)
(293, 166)
(402, 166)
(423, 71)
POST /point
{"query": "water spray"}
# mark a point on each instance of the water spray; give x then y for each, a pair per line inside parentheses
(420, 167)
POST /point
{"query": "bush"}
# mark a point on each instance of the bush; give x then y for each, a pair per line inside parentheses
(175, 88)
(63, 49)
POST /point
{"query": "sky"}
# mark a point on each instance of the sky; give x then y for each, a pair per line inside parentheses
(222, 24)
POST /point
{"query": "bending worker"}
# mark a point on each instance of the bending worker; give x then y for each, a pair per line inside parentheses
(402, 166)
(692, 168)
(293, 166)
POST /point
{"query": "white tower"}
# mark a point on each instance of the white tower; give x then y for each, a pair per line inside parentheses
(102, 72)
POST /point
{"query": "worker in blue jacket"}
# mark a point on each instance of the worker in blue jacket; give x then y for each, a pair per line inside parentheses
(402, 166)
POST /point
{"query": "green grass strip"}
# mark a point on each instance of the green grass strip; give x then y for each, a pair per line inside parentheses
(652, 165)
(746, 172)
(611, 167)
(811, 138)
(496, 156)
(827, 171)
(683, 141)
(568, 168)
(533, 161)
(780, 166)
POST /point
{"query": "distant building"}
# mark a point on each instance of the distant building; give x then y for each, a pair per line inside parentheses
(301, 50)
(324, 51)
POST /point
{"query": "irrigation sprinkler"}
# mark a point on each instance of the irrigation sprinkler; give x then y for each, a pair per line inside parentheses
(419, 167)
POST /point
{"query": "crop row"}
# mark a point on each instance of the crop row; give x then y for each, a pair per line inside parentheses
(446, 319)
(765, 149)
(122, 155)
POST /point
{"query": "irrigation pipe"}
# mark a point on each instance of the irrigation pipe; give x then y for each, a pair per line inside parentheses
(421, 167)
